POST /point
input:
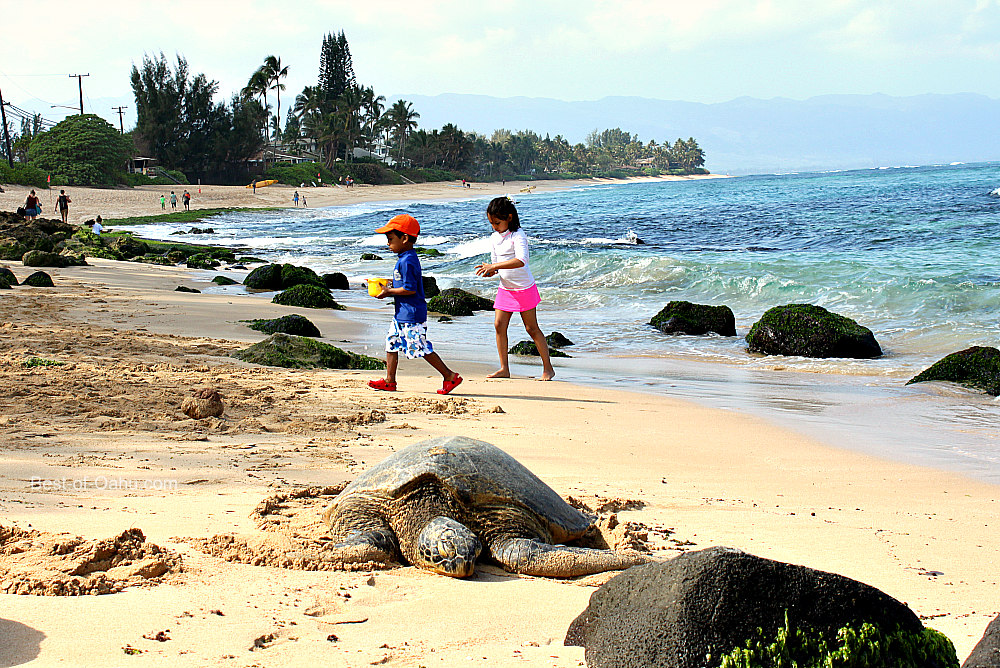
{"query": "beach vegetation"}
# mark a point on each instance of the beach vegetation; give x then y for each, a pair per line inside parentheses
(192, 216)
(33, 362)
(863, 646)
(23, 175)
(299, 352)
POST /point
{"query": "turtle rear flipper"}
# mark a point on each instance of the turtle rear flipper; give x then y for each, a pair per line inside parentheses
(533, 557)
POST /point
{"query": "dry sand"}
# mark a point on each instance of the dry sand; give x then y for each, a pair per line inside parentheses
(87, 203)
(99, 446)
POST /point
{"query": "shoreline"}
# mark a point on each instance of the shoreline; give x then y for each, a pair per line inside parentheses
(709, 476)
(89, 202)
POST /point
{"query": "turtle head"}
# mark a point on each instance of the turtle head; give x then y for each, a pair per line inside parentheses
(448, 547)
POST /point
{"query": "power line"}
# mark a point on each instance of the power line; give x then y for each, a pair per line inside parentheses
(121, 118)
(79, 78)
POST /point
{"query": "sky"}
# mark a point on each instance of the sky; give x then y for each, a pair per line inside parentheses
(691, 50)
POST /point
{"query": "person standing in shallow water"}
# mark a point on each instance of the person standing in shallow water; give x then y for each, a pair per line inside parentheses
(517, 292)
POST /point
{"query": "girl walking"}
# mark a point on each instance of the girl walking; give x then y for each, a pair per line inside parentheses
(517, 292)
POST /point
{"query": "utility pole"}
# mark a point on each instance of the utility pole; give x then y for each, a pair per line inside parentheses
(121, 122)
(6, 132)
(79, 78)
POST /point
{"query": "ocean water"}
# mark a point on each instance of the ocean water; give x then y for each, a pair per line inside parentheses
(910, 253)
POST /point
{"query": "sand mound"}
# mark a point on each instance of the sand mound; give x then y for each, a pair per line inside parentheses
(293, 535)
(44, 564)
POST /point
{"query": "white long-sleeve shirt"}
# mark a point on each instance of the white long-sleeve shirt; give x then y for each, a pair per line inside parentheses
(507, 246)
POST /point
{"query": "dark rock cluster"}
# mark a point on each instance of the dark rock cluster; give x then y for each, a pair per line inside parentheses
(455, 301)
(299, 352)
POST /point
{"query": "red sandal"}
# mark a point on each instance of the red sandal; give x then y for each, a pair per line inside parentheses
(450, 385)
(382, 384)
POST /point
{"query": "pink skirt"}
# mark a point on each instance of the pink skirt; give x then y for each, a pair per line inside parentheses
(515, 301)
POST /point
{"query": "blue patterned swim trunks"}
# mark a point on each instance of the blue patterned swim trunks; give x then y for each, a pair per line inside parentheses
(409, 339)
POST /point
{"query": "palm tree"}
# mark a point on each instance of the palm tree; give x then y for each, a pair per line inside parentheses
(403, 121)
(272, 71)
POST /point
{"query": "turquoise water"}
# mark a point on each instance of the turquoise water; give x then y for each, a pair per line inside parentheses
(909, 253)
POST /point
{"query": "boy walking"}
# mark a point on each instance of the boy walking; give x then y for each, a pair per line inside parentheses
(408, 330)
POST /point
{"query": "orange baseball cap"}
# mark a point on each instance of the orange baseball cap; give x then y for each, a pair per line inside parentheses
(404, 223)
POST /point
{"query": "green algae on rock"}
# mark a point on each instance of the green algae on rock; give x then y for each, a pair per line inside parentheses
(807, 330)
(299, 352)
(307, 296)
(294, 324)
(976, 367)
(681, 317)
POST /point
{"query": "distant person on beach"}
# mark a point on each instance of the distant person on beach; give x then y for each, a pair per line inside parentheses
(517, 292)
(173, 200)
(32, 207)
(255, 186)
(303, 200)
(186, 198)
(295, 198)
(163, 202)
(97, 226)
(62, 205)
(408, 329)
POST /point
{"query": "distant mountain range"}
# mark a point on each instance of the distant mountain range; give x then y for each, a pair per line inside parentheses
(750, 135)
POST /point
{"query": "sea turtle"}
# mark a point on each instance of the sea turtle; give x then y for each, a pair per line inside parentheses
(436, 504)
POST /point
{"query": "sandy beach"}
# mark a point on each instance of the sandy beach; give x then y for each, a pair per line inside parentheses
(98, 445)
(87, 203)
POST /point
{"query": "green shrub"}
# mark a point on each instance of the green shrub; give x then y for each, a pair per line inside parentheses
(33, 362)
(23, 175)
(304, 172)
(84, 149)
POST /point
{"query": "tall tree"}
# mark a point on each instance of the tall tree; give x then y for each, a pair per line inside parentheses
(403, 120)
(336, 69)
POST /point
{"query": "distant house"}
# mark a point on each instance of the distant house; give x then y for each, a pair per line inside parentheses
(145, 166)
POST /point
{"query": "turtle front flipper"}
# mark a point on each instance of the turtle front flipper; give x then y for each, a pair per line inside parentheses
(448, 547)
(529, 556)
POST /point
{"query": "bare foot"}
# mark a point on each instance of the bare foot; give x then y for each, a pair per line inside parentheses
(548, 375)
(499, 373)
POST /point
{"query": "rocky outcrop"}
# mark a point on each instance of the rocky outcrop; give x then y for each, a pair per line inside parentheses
(7, 276)
(184, 288)
(37, 258)
(307, 296)
(18, 236)
(680, 317)
(455, 301)
(986, 653)
(298, 352)
(39, 279)
(294, 324)
(811, 331)
(557, 340)
(976, 367)
(128, 246)
(224, 280)
(700, 607)
(370, 256)
(201, 261)
(206, 402)
(336, 281)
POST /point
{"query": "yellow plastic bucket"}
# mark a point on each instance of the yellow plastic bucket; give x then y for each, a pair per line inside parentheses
(375, 286)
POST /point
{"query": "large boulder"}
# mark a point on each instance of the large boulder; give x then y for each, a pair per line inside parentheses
(294, 324)
(680, 317)
(224, 280)
(7, 276)
(336, 281)
(281, 277)
(299, 352)
(700, 607)
(37, 258)
(977, 367)
(129, 246)
(810, 331)
(203, 403)
(431, 288)
(455, 301)
(307, 296)
(39, 279)
(986, 653)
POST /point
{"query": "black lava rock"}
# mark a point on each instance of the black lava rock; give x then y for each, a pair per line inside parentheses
(811, 331)
(680, 317)
(977, 367)
(294, 324)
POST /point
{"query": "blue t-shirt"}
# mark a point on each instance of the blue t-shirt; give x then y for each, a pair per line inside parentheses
(411, 309)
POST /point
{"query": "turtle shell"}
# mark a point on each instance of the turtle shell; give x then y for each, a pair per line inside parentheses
(478, 474)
